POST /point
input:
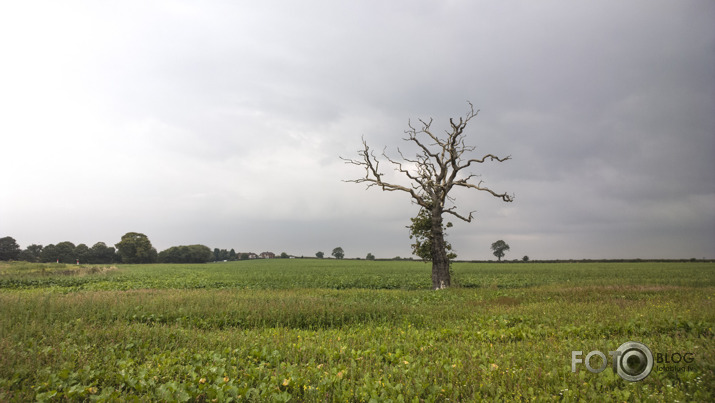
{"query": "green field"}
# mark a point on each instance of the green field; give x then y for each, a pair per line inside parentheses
(327, 330)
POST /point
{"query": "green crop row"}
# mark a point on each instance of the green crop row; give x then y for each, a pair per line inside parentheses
(345, 274)
(158, 336)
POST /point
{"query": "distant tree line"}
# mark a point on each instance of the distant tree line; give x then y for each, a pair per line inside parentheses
(220, 255)
(133, 247)
(63, 252)
(186, 254)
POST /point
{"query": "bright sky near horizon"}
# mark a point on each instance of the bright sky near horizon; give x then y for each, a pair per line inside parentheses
(221, 123)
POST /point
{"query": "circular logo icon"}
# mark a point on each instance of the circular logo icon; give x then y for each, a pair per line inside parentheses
(635, 362)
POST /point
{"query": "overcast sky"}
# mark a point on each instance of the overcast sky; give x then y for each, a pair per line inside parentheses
(222, 122)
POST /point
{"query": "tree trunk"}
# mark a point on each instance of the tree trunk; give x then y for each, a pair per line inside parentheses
(440, 262)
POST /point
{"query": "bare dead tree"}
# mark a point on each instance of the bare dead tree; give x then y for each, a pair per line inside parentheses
(433, 173)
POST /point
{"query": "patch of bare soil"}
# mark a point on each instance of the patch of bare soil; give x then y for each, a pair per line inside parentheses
(84, 271)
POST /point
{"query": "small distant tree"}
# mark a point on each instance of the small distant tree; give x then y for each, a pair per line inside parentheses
(232, 255)
(370, 256)
(500, 247)
(31, 253)
(101, 253)
(525, 258)
(82, 253)
(48, 254)
(9, 249)
(338, 253)
(200, 254)
(186, 254)
(65, 252)
(243, 256)
(284, 255)
(136, 248)
(319, 255)
(219, 255)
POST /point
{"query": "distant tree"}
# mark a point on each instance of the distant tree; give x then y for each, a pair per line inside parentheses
(48, 254)
(200, 254)
(243, 256)
(31, 254)
(136, 248)
(370, 256)
(65, 252)
(186, 254)
(338, 253)
(9, 249)
(284, 255)
(170, 255)
(525, 258)
(500, 247)
(232, 255)
(320, 255)
(100, 253)
(440, 165)
(82, 253)
(220, 255)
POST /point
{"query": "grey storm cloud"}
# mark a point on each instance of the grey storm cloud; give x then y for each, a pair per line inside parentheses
(221, 123)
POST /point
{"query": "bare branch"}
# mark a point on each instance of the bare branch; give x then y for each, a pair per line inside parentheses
(417, 179)
(435, 167)
(374, 178)
(454, 213)
(491, 157)
(504, 196)
(412, 136)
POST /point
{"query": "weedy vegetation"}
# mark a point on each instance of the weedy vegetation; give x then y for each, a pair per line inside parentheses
(329, 330)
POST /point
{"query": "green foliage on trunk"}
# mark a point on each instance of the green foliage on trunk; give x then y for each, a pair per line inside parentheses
(421, 232)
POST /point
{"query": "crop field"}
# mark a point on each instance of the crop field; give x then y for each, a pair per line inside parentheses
(308, 330)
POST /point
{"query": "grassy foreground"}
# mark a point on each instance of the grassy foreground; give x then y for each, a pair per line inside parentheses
(312, 330)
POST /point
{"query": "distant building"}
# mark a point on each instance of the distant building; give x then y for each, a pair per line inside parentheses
(267, 255)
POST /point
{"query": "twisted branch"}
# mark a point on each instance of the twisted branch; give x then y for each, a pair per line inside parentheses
(437, 165)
